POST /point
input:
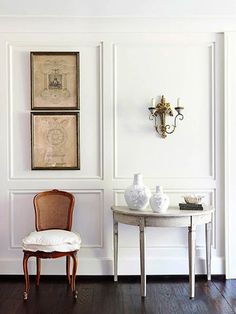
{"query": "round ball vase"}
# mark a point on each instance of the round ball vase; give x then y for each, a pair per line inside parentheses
(137, 195)
(159, 201)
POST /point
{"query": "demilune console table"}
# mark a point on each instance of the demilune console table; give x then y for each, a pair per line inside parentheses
(172, 218)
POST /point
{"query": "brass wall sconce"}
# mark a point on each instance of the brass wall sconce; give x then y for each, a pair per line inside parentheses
(161, 110)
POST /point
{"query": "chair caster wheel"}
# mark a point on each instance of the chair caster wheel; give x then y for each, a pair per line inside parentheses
(75, 293)
(25, 296)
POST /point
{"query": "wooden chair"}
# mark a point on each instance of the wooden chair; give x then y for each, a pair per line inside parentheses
(53, 237)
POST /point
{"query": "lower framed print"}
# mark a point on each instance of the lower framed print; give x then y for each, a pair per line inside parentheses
(55, 141)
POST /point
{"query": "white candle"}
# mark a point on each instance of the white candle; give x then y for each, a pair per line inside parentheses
(178, 102)
(153, 102)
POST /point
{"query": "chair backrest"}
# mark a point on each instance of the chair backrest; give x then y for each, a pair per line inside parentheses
(53, 210)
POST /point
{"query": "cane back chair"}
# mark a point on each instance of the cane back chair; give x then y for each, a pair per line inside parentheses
(53, 237)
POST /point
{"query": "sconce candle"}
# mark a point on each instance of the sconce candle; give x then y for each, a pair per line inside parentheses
(153, 102)
(163, 109)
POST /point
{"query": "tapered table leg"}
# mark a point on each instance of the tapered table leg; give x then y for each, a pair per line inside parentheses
(208, 249)
(142, 257)
(192, 252)
(115, 240)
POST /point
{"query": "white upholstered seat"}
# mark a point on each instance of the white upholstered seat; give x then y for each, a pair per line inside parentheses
(52, 240)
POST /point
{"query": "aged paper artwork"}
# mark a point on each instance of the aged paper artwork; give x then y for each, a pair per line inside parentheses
(54, 80)
(55, 141)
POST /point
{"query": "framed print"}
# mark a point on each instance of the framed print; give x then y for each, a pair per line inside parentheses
(54, 80)
(54, 141)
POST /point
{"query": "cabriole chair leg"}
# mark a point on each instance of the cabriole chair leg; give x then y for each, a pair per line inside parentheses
(75, 265)
(68, 269)
(25, 268)
(38, 262)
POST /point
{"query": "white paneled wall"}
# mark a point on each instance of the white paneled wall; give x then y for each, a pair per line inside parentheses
(119, 74)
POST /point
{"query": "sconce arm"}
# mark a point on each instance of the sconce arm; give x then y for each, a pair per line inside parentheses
(180, 117)
(152, 117)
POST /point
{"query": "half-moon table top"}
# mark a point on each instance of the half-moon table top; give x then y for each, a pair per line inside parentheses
(171, 212)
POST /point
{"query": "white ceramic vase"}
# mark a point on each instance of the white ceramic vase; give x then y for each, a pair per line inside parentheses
(159, 201)
(137, 195)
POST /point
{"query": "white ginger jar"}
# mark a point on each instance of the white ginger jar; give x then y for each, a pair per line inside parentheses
(137, 195)
(159, 201)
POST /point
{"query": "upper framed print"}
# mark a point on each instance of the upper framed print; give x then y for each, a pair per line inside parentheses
(54, 80)
(55, 141)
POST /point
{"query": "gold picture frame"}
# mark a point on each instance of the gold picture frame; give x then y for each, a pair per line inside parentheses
(55, 141)
(55, 80)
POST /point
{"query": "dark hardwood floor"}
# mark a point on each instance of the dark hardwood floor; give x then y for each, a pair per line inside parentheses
(100, 295)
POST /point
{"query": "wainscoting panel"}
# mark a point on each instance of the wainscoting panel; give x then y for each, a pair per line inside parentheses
(88, 211)
(146, 71)
(19, 111)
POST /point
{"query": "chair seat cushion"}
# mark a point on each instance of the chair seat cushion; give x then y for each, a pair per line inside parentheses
(52, 240)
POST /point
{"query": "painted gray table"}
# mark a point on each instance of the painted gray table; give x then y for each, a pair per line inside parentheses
(172, 218)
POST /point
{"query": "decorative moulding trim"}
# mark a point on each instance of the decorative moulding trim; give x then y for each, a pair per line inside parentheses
(167, 178)
(114, 170)
(169, 265)
(59, 179)
(9, 48)
(104, 266)
(211, 47)
(213, 106)
(212, 194)
(227, 160)
(78, 24)
(33, 192)
(176, 184)
(101, 110)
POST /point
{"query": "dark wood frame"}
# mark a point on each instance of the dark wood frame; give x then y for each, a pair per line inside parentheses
(77, 166)
(56, 53)
(45, 255)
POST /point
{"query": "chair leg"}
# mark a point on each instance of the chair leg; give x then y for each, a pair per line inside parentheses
(25, 268)
(75, 265)
(38, 262)
(68, 269)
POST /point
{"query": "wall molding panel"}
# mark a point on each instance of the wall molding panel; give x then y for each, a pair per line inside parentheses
(24, 199)
(16, 112)
(210, 53)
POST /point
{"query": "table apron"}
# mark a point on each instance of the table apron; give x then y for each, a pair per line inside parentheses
(126, 219)
(168, 222)
(182, 221)
(203, 219)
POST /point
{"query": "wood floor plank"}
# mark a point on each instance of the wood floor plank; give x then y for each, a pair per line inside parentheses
(227, 288)
(101, 295)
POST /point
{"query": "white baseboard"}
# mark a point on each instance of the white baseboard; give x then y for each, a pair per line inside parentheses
(104, 266)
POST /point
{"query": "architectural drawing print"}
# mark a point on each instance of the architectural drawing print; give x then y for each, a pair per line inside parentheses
(55, 141)
(55, 80)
